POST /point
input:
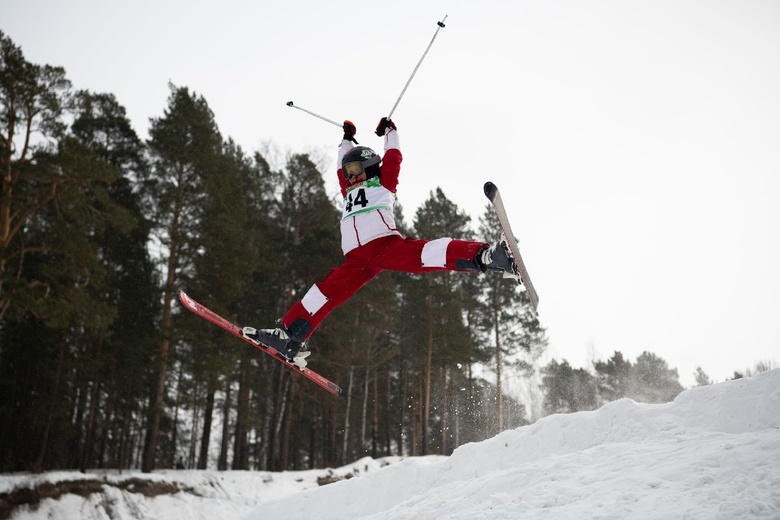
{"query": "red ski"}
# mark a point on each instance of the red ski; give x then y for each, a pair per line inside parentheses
(234, 329)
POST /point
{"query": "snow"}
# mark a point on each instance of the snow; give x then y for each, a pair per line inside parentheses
(713, 453)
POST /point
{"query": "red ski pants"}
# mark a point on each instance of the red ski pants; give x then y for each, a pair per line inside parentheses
(392, 253)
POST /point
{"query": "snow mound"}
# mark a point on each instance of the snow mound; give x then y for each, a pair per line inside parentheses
(712, 453)
(163, 494)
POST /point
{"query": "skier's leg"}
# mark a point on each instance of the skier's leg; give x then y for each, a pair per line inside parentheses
(323, 297)
(420, 256)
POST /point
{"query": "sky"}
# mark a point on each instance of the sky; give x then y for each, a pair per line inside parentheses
(712, 453)
(636, 143)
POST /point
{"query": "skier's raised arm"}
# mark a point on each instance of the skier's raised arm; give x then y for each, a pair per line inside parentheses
(391, 162)
(347, 143)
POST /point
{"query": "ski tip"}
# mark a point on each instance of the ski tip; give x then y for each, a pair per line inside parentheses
(185, 299)
(490, 190)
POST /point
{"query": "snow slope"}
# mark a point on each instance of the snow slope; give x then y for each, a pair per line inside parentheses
(714, 453)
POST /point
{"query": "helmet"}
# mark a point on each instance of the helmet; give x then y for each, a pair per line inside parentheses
(358, 160)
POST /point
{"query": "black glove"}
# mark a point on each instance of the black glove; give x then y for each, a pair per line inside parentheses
(349, 130)
(384, 124)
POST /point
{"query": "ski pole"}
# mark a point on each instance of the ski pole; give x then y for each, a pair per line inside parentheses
(440, 26)
(290, 104)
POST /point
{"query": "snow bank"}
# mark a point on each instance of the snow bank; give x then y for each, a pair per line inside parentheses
(712, 453)
(165, 494)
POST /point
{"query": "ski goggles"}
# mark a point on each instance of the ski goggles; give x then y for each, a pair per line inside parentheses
(352, 169)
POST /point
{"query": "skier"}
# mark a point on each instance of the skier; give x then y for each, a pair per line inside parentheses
(371, 243)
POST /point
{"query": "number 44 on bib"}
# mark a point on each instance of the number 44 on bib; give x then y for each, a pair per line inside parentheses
(360, 200)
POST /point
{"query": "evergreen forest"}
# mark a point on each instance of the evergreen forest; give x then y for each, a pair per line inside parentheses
(100, 367)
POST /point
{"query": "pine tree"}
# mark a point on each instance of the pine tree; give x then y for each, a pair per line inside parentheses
(33, 99)
(131, 287)
(615, 377)
(655, 381)
(222, 272)
(304, 252)
(185, 149)
(702, 379)
(56, 204)
(568, 389)
(436, 321)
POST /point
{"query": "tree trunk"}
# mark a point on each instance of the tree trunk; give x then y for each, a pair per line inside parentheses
(38, 466)
(166, 326)
(315, 441)
(345, 444)
(175, 433)
(419, 421)
(108, 430)
(90, 426)
(288, 426)
(240, 447)
(333, 450)
(276, 421)
(150, 449)
(402, 422)
(456, 419)
(205, 438)
(444, 411)
(82, 378)
(364, 414)
(125, 452)
(375, 417)
(427, 395)
(499, 362)
(223, 446)
(387, 414)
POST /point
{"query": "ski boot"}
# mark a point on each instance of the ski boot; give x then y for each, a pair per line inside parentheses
(278, 339)
(499, 258)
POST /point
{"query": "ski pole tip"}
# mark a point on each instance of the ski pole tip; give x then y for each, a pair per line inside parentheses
(289, 103)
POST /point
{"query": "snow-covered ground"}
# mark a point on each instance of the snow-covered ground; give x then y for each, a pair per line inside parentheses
(714, 453)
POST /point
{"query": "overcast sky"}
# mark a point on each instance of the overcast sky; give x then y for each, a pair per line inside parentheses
(636, 143)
